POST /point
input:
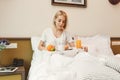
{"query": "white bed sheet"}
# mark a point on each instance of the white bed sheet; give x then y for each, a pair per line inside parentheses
(54, 66)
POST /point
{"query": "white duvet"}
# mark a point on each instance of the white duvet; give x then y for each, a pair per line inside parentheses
(55, 66)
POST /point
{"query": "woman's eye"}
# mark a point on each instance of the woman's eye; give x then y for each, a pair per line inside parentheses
(61, 21)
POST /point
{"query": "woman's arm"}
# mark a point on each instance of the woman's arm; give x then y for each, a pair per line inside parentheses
(41, 46)
(69, 45)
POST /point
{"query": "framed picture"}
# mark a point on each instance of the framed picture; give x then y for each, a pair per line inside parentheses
(81, 3)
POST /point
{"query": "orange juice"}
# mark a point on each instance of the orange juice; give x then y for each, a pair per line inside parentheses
(78, 43)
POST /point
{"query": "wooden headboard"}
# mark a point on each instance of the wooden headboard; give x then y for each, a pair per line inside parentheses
(115, 45)
(24, 51)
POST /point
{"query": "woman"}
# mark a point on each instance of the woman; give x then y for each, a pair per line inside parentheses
(57, 35)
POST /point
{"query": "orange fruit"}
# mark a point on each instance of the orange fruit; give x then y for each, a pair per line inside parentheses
(66, 47)
(51, 47)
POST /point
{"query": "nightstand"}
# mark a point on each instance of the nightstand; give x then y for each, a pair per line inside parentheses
(19, 74)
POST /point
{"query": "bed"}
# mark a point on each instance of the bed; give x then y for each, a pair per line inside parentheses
(99, 63)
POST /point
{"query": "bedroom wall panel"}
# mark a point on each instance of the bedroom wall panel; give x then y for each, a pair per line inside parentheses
(115, 45)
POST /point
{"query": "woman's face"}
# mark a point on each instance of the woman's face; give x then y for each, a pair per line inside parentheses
(60, 22)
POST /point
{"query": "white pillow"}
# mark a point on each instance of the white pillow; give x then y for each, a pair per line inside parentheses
(97, 45)
(35, 42)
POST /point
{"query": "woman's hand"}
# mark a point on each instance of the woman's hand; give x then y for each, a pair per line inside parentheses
(41, 46)
(85, 48)
(66, 47)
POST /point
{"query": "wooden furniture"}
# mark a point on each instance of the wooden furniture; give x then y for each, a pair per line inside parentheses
(19, 74)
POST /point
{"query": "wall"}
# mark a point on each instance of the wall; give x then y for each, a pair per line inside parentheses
(25, 18)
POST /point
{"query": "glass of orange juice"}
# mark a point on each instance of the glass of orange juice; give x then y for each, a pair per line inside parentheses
(78, 44)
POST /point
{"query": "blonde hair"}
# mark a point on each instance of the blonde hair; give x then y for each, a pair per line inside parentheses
(61, 13)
